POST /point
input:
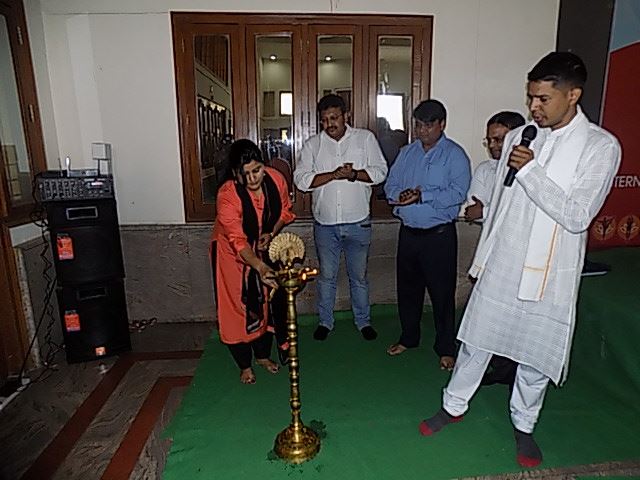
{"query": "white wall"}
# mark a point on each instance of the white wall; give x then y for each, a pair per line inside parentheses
(109, 66)
(41, 72)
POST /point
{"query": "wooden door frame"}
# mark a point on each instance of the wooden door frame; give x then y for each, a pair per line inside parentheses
(420, 81)
(186, 23)
(358, 108)
(295, 32)
(183, 35)
(421, 66)
(13, 332)
(20, 51)
(299, 87)
(14, 337)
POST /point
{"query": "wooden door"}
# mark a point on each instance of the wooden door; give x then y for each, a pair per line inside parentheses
(276, 92)
(336, 65)
(398, 80)
(13, 334)
(210, 80)
(322, 54)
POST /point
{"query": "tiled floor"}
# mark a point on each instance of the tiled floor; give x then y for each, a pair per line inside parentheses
(104, 419)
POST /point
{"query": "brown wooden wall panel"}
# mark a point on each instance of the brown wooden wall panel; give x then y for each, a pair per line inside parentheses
(584, 28)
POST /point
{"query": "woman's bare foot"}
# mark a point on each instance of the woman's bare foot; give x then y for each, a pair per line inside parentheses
(269, 365)
(396, 349)
(447, 363)
(247, 376)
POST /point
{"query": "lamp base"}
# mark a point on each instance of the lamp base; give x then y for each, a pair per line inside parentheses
(297, 446)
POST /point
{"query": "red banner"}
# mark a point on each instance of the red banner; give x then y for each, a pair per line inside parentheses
(618, 223)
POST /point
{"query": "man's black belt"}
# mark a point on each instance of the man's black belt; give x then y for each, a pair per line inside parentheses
(428, 231)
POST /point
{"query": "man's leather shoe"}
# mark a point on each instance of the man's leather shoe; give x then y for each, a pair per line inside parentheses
(321, 333)
(369, 333)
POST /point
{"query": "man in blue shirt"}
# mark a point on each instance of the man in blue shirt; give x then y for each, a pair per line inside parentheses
(427, 184)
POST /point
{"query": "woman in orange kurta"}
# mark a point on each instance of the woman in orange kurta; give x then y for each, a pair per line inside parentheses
(252, 207)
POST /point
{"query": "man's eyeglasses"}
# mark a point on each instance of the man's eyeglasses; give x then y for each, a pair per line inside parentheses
(331, 118)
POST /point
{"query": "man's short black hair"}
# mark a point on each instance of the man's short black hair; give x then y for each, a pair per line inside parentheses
(564, 68)
(330, 101)
(507, 119)
(430, 111)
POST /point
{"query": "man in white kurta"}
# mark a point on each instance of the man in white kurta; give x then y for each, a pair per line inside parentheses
(484, 176)
(531, 250)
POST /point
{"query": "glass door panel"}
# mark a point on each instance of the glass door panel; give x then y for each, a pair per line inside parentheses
(400, 59)
(274, 102)
(211, 112)
(13, 146)
(335, 67)
(277, 69)
(398, 81)
(212, 71)
(394, 95)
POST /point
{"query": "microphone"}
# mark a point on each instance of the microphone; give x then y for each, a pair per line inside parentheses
(528, 136)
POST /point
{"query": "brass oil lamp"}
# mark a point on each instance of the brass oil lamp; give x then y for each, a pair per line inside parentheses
(297, 443)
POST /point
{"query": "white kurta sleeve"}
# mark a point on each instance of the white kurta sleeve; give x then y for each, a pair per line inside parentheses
(575, 210)
(482, 183)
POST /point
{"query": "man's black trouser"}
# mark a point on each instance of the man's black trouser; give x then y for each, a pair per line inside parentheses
(427, 259)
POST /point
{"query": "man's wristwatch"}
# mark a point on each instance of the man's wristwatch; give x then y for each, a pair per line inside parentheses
(354, 176)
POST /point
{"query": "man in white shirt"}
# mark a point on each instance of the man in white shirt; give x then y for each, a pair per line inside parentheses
(531, 251)
(339, 166)
(500, 369)
(485, 174)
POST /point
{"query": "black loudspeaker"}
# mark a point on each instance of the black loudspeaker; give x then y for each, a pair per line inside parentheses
(94, 320)
(89, 268)
(86, 241)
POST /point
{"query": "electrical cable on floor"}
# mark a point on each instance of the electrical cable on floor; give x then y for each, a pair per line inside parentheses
(52, 347)
(38, 218)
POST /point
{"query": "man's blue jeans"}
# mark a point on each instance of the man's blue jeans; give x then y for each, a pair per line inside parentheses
(331, 240)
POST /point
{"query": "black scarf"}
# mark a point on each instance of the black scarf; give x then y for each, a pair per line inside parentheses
(252, 291)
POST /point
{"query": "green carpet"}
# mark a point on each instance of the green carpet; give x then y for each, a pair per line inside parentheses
(370, 404)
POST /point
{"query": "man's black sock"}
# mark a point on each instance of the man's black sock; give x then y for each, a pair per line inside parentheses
(440, 419)
(528, 454)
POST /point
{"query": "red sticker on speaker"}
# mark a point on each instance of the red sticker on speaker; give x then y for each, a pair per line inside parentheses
(101, 351)
(65, 247)
(71, 321)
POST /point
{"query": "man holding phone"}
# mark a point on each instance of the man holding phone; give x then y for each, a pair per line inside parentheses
(427, 184)
(339, 166)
